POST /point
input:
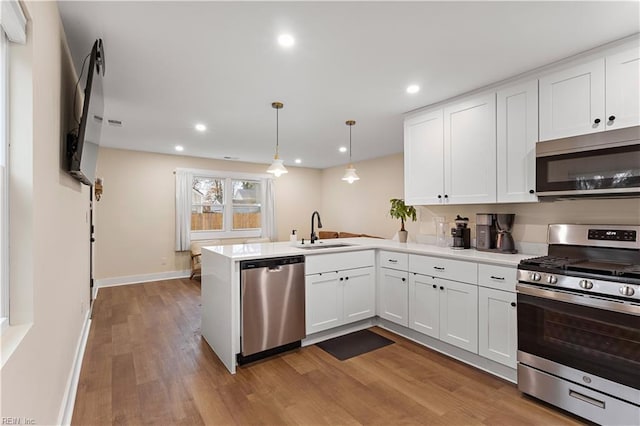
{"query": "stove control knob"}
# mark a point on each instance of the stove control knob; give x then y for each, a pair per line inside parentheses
(625, 290)
(586, 284)
(534, 276)
(551, 279)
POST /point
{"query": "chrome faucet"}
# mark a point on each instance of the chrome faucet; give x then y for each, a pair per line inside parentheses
(313, 233)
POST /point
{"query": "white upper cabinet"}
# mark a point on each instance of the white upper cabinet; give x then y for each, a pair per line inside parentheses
(423, 159)
(517, 134)
(623, 89)
(470, 151)
(599, 95)
(572, 101)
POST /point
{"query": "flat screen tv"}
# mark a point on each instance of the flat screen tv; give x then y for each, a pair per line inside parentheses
(83, 141)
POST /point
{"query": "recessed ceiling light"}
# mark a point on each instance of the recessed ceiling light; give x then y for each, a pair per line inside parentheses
(201, 127)
(179, 148)
(286, 40)
(342, 149)
(297, 161)
(414, 88)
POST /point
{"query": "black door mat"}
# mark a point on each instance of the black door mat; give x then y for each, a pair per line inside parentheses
(354, 344)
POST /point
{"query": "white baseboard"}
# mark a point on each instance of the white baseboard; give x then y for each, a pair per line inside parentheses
(135, 279)
(69, 400)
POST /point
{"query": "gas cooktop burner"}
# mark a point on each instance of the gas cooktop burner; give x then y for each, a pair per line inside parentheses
(564, 265)
(551, 262)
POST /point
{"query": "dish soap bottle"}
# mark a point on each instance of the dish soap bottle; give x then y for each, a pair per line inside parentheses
(293, 238)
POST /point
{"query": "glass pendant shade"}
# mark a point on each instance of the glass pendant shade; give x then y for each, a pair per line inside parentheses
(277, 168)
(350, 174)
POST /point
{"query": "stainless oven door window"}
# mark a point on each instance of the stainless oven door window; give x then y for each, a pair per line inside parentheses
(596, 341)
(610, 168)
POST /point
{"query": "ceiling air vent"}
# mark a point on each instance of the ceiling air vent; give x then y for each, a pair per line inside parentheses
(116, 123)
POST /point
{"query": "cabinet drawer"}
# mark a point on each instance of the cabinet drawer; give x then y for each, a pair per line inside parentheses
(393, 260)
(498, 277)
(315, 264)
(450, 269)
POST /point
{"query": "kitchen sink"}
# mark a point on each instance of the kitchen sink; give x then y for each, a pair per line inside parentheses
(322, 246)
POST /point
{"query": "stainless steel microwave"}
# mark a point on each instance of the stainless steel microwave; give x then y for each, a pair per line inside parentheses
(604, 164)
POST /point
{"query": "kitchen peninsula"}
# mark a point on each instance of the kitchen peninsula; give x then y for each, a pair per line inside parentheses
(406, 284)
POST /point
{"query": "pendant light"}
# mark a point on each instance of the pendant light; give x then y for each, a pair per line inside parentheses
(277, 168)
(350, 173)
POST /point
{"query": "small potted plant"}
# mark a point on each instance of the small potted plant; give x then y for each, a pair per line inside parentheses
(399, 210)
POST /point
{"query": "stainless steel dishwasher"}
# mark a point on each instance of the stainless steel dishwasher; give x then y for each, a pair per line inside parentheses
(272, 295)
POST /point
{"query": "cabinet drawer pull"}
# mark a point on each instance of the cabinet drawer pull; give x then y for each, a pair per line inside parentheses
(587, 399)
(497, 278)
(438, 268)
(393, 261)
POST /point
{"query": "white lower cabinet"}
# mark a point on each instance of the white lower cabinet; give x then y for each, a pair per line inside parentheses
(459, 314)
(424, 308)
(444, 309)
(339, 297)
(324, 304)
(497, 327)
(359, 293)
(393, 297)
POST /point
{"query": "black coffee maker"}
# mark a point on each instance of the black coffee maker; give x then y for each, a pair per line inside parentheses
(461, 233)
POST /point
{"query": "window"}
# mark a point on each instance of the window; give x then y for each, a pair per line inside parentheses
(215, 205)
(225, 207)
(4, 187)
(12, 30)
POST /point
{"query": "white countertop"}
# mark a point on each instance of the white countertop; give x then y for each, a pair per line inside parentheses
(237, 252)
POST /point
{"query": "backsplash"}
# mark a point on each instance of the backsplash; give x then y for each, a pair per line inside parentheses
(532, 219)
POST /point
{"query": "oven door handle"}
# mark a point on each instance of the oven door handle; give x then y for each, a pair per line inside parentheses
(608, 304)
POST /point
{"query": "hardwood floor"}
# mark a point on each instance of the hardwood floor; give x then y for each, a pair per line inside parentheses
(146, 363)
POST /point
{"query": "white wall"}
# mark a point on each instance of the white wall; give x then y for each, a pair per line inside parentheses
(49, 232)
(363, 206)
(135, 218)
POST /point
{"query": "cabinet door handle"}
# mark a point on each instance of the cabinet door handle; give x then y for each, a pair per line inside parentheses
(435, 286)
(446, 196)
(611, 118)
(441, 288)
(439, 196)
(497, 278)
(531, 191)
(439, 268)
(513, 304)
(404, 279)
(347, 278)
(596, 121)
(341, 278)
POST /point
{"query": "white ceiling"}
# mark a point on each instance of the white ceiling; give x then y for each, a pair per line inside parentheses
(170, 65)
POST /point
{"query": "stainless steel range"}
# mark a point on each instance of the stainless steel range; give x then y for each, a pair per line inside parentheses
(579, 322)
